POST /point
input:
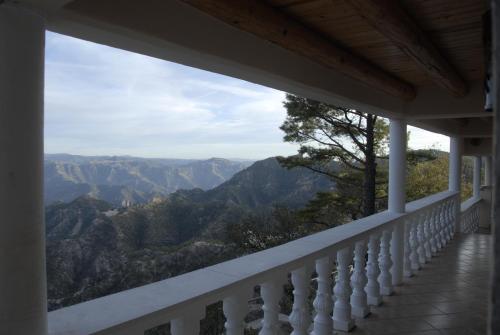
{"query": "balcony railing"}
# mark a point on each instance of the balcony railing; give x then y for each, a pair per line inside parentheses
(360, 281)
(469, 219)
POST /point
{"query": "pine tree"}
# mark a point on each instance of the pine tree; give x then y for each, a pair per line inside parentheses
(343, 144)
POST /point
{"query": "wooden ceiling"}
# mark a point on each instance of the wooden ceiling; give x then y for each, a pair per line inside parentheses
(388, 45)
(454, 26)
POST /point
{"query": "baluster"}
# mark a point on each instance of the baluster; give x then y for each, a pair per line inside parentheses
(188, 323)
(407, 261)
(235, 308)
(385, 262)
(476, 220)
(415, 264)
(453, 216)
(420, 239)
(437, 224)
(359, 305)
(463, 222)
(427, 235)
(471, 226)
(432, 226)
(372, 288)
(469, 221)
(323, 303)
(442, 225)
(271, 292)
(300, 318)
(448, 220)
(342, 308)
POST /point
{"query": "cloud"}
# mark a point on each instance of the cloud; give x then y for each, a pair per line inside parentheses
(423, 139)
(102, 100)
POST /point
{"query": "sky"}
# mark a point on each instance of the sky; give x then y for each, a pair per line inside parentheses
(106, 101)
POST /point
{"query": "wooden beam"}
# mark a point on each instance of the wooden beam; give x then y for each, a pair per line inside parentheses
(266, 22)
(392, 21)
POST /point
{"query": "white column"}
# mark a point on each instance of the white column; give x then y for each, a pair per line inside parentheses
(397, 198)
(23, 307)
(487, 171)
(476, 177)
(455, 167)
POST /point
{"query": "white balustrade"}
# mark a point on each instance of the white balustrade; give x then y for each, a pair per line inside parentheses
(421, 239)
(449, 226)
(271, 293)
(437, 225)
(342, 319)
(385, 262)
(235, 308)
(433, 243)
(442, 224)
(408, 272)
(323, 302)
(359, 303)
(414, 244)
(188, 323)
(428, 223)
(469, 218)
(427, 235)
(300, 318)
(372, 288)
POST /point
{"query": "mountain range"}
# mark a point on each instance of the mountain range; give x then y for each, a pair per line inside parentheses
(125, 180)
(96, 248)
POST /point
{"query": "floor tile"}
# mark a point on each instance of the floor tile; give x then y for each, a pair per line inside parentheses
(449, 295)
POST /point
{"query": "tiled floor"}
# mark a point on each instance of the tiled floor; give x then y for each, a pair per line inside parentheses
(448, 296)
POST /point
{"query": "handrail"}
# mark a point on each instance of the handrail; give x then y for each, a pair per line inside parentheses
(422, 203)
(134, 310)
(467, 204)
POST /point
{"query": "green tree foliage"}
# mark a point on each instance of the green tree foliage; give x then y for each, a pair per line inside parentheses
(429, 174)
(344, 145)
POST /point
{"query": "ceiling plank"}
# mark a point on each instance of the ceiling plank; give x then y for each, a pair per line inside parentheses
(392, 21)
(264, 21)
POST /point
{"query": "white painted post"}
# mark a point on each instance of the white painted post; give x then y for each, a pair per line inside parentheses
(455, 173)
(359, 304)
(487, 171)
(408, 272)
(271, 293)
(437, 223)
(433, 230)
(420, 239)
(235, 308)
(414, 263)
(323, 302)
(476, 178)
(385, 263)
(300, 318)
(342, 319)
(397, 198)
(427, 235)
(372, 271)
(23, 301)
(189, 322)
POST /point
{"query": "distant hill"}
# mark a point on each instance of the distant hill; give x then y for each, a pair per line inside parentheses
(124, 180)
(94, 248)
